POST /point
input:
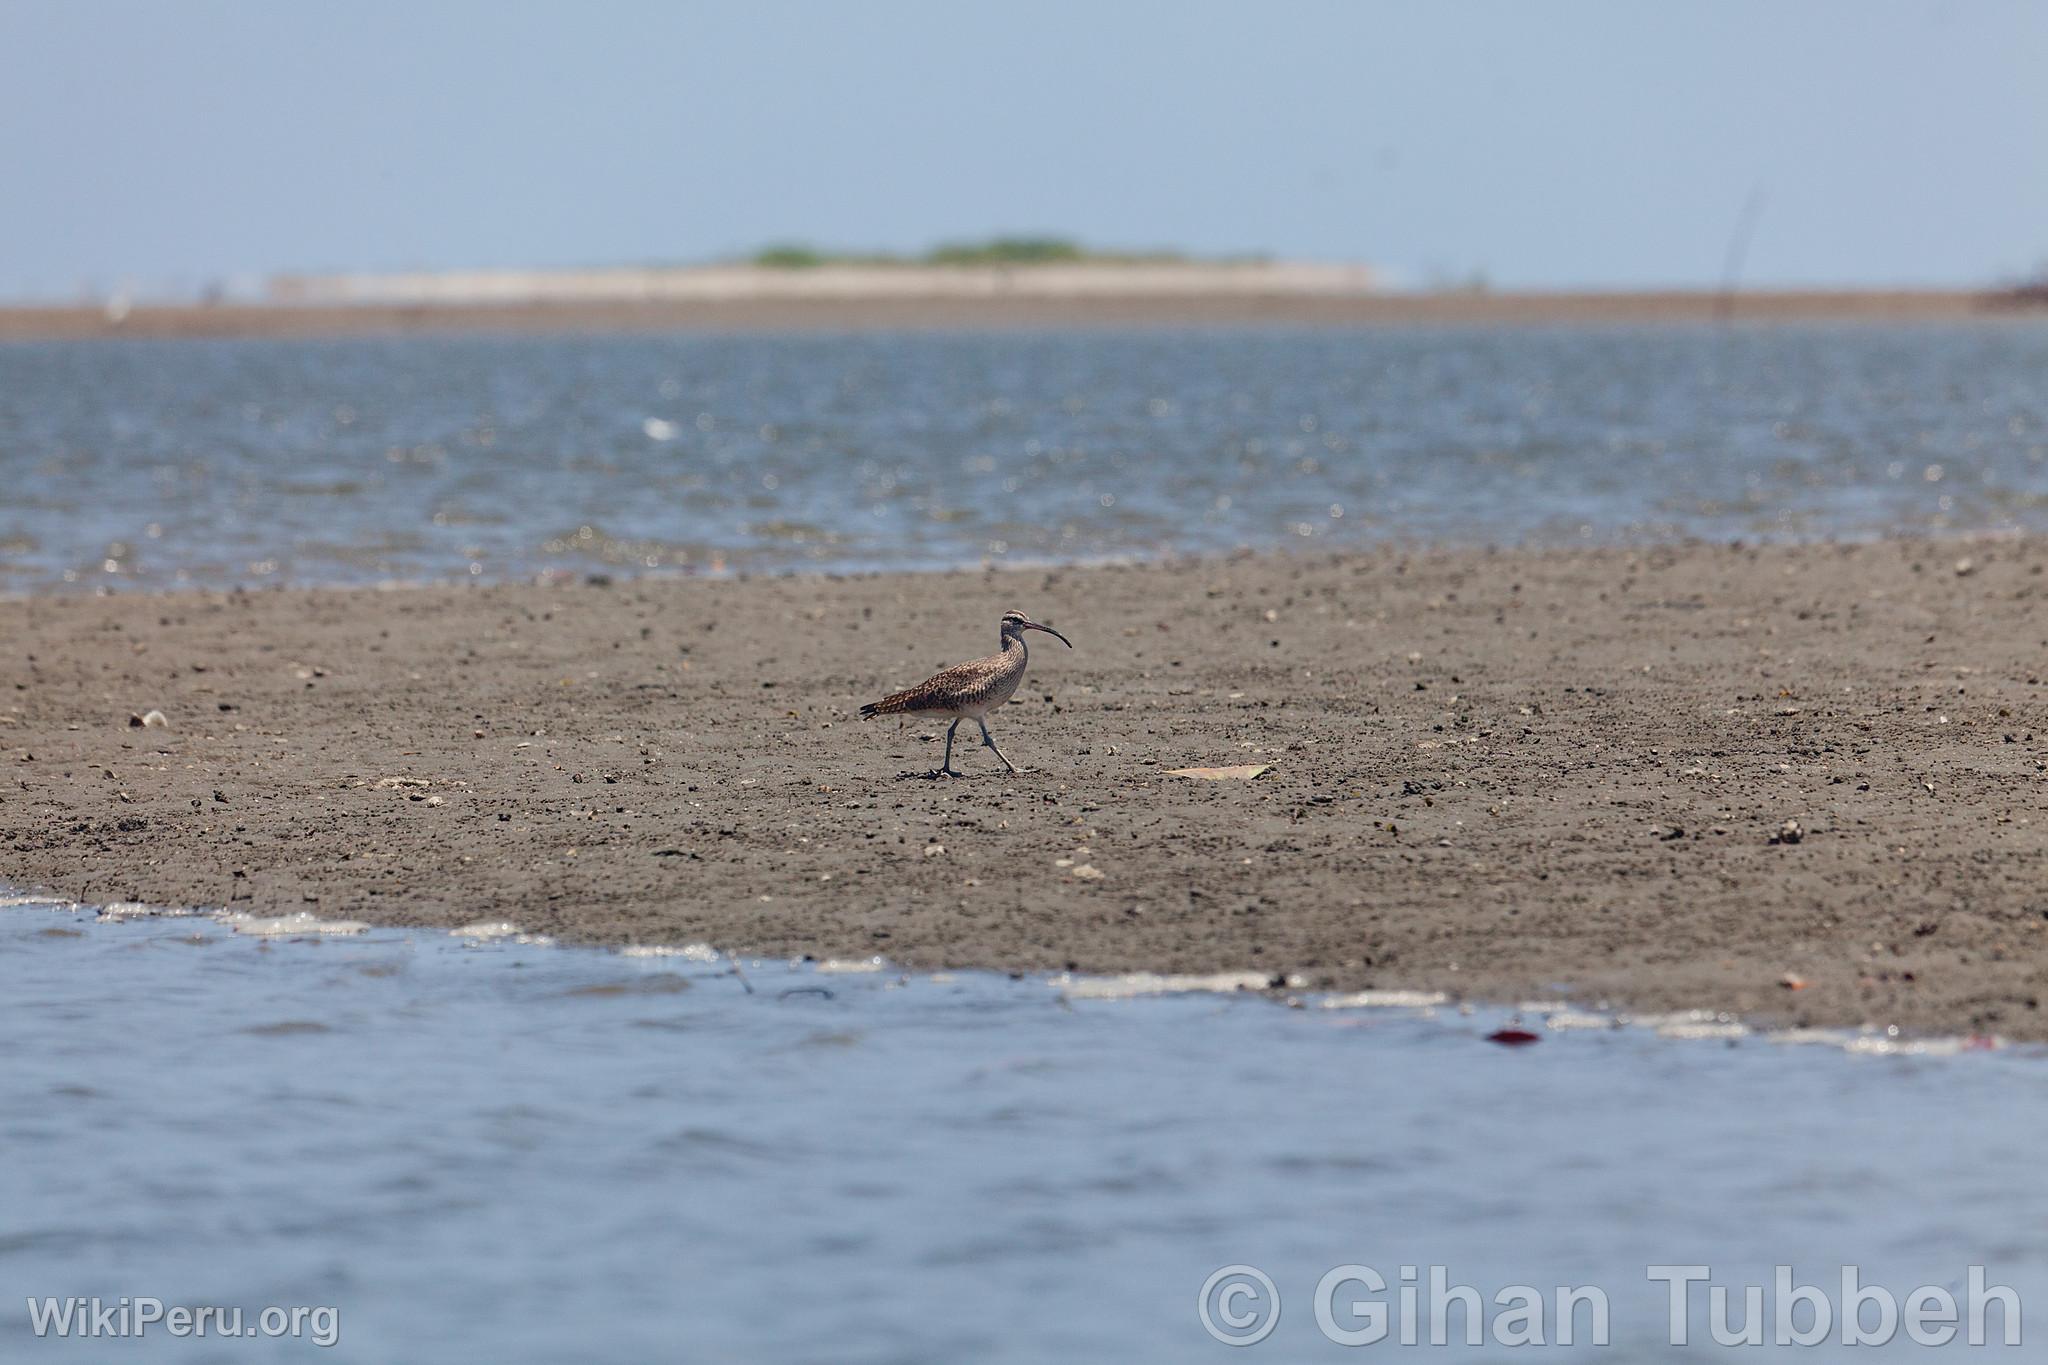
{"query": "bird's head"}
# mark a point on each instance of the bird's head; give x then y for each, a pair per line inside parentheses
(1015, 623)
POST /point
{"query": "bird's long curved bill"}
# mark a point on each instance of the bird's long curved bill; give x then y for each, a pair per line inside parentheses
(1033, 625)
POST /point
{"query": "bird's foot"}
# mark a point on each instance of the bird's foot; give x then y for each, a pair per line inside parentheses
(937, 773)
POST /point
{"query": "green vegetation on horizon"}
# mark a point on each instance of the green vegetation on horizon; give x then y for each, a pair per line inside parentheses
(992, 251)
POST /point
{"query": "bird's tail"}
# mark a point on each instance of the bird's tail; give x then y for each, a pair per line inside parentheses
(893, 704)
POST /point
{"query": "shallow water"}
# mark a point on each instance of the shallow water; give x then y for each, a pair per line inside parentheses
(512, 1152)
(216, 462)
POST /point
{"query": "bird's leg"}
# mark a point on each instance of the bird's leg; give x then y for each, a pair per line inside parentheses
(990, 740)
(946, 764)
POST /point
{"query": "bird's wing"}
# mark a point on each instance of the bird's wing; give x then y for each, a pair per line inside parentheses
(943, 688)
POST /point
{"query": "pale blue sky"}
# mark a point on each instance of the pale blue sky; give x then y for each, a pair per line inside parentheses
(1543, 144)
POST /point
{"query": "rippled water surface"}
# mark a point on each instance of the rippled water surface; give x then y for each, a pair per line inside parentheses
(341, 461)
(517, 1153)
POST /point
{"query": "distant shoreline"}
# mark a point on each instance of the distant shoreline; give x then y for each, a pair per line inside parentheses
(1152, 309)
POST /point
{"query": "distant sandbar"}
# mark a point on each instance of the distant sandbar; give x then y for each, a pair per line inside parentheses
(1152, 307)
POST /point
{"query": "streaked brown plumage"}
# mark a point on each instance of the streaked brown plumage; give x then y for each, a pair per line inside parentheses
(971, 690)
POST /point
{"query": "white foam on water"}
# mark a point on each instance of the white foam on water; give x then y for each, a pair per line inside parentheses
(1411, 1000)
(1658, 1019)
(498, 931)
(1132, 984)
(42, 902)
(1709, 1025)
(1883, 1045)
(864, 964)
(120, 911)
(689, 952)
(284, 926)
(1578, 1019)
(1702, 1030)
(1812, 1037)
(484, 931)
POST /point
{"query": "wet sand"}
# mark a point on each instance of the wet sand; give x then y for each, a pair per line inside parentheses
(31, 323)
(1506, 775)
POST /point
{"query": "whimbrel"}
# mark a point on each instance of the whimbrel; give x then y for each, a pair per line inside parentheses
(970, 691)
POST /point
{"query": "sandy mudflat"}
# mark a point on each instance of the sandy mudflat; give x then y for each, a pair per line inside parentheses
(1507, 775)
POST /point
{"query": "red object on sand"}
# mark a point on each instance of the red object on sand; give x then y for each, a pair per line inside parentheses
(1512, 1037)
